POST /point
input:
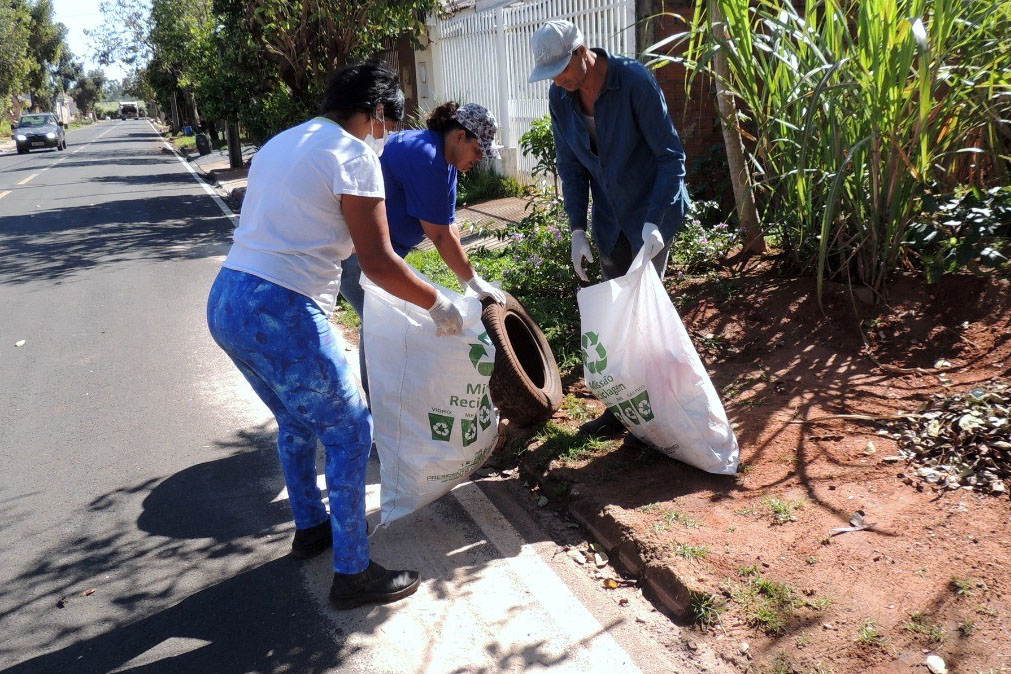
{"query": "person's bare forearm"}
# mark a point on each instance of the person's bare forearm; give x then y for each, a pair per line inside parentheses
(452, 253)
(393, 275)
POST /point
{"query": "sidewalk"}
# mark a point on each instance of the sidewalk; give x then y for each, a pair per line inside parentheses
(477, 223)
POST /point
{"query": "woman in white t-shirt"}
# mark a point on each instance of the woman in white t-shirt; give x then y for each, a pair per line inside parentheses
(316, 193)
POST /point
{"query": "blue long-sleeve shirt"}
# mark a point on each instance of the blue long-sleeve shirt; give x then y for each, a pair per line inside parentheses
(637, 174)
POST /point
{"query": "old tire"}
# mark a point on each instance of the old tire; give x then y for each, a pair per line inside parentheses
(525, 384)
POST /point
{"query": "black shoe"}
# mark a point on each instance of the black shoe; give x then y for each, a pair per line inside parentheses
(605, 424)
(312, 541)
(374, 585)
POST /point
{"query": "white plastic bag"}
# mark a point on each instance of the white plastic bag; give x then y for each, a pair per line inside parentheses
(432, 413)
(639, 361)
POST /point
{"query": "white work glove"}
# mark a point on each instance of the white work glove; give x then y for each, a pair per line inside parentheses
(484, 289)
(448, 321)
(580, 252)
(652, 240)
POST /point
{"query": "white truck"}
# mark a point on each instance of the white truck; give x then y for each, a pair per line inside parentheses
(128, 110)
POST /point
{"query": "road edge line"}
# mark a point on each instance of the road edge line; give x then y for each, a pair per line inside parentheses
(225, 210)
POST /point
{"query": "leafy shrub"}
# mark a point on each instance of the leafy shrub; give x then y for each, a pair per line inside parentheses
(701, 243)
(539, 142)
(971, 230)
(482, 183)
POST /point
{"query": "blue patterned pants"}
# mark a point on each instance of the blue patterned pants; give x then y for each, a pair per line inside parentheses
(286, 348)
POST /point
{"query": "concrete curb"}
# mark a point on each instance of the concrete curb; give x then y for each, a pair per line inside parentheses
(668, 591)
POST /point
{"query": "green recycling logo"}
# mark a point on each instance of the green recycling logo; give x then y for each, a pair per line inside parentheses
(469, 428)
(441, 426)
(643, 406)
(629, 411)
(594, 353)
(484, 413)
(478, 354)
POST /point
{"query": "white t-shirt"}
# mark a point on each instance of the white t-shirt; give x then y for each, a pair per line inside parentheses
(291, 230)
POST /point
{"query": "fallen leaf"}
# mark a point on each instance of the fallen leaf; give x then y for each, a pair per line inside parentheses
(88, 592)
(611, 584)
(20, 342)
(623, 601)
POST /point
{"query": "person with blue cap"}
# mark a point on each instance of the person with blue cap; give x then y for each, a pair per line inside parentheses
(614, 140)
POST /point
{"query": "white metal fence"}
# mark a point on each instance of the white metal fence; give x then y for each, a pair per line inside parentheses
(484, 57)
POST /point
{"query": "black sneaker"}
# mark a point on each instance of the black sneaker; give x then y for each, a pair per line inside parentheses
(604, 425)
(374, 585)
(312, 541)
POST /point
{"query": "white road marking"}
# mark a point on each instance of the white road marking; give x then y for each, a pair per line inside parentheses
(207, 188)
(5, 193)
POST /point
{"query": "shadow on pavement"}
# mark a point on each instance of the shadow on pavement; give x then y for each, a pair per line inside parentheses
(254, 621)
(56, 242)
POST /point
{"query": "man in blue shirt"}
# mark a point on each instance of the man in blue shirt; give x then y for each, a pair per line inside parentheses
(614, 140)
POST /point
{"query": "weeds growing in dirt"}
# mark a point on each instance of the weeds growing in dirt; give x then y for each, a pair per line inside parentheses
(870, 634)
(782, 511)
(966, 627)
(690, 552)
(962, 587)
(767, 604)
(705, 609)
(919, 624)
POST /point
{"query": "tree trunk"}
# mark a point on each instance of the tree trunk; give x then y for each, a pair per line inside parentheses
(234, 146)
(740, 177)
(176, 126)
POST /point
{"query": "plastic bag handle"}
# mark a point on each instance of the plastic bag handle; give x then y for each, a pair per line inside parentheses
(639, 264)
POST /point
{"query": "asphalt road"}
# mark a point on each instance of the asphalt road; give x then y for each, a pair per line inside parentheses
(141, 502)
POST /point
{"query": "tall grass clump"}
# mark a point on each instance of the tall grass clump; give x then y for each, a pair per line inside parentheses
(855, 112)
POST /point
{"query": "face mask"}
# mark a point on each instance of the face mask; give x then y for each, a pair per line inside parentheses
(377, 144)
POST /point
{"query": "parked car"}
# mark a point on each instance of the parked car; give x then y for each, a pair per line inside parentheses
(39, 131)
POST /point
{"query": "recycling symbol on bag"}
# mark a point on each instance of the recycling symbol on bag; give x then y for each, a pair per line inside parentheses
(441, 426)
(479, 352)
(594, 353)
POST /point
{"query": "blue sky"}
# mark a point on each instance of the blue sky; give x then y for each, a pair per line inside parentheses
(78, 15)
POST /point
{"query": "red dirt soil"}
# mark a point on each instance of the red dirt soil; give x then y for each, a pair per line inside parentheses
(778, 359)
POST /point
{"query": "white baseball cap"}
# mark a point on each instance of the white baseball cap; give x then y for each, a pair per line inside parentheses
(552, 45)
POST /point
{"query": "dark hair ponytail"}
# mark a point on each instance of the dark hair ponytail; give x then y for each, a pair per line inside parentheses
(443, 119)
(362, 88)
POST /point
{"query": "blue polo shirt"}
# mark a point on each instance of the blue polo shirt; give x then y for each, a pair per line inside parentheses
(420, 185)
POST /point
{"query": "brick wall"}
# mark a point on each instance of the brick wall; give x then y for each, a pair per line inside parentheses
(693, 110)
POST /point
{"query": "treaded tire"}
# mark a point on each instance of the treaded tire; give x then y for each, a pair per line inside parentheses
(525, 384)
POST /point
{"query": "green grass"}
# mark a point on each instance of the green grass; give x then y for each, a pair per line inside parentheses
(184, 143)
(921, 625)
(79, 123)
(576, 408)
(705, 609)
(430, 263)
(870, 633)
(966, 628)
(782, 511)
(481, 184)
(767, 605)
(690, 552)
(5, 129)
(962, 587)
(346, 316)
(568, 444)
